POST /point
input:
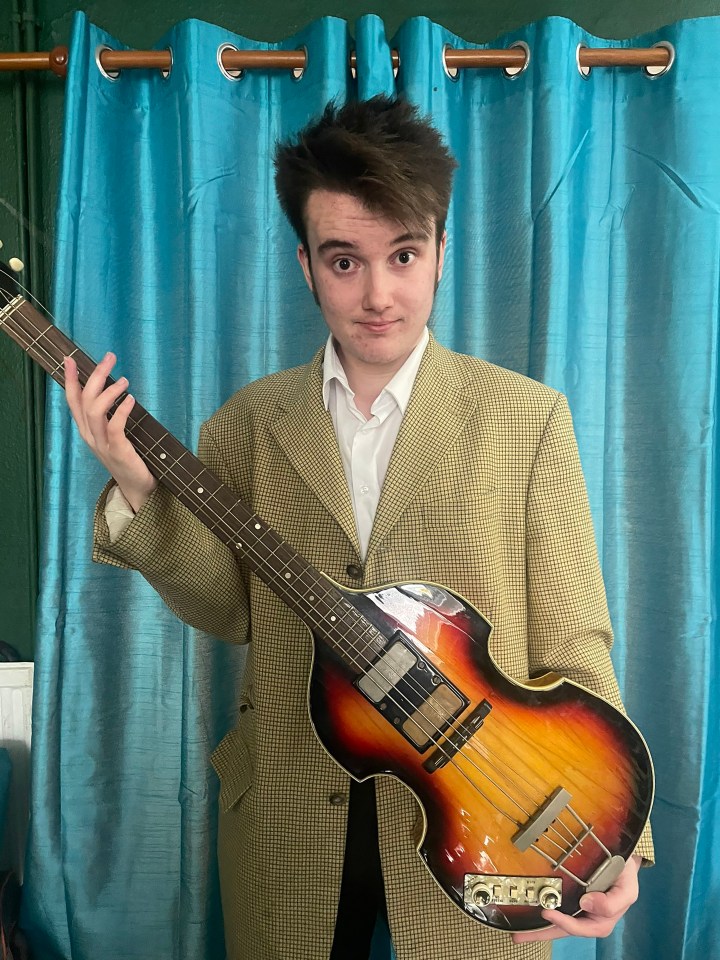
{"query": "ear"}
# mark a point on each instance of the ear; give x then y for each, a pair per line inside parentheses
(441, 255)
(304, 259)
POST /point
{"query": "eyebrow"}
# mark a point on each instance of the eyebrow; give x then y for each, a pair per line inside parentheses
(333, 244)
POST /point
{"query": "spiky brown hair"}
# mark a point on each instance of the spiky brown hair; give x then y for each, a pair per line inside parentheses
(380, 151)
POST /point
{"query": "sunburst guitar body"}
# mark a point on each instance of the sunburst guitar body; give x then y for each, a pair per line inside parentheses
(532, 794)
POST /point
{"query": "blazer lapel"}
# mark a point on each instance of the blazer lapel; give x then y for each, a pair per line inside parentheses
(307, 437)
(435, 417)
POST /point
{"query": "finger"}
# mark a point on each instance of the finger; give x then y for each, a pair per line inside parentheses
(97, 410)
(105, 400)
(72, 384)
(584, 925)
(608, 904)
(118, 422)
(96, 381)
(73, 396)
(615, 901)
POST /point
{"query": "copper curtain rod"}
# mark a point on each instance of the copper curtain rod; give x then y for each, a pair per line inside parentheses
(514, 58)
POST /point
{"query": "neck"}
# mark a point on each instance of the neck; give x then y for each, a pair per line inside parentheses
(368, 380)
(367, 386)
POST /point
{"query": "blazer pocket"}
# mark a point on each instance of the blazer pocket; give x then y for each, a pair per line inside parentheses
(234, 766)
(449, 514)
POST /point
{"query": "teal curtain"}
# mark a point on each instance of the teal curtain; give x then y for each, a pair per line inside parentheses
(584, 242)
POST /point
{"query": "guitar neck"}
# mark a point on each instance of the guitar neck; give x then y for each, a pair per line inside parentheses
(317, 601)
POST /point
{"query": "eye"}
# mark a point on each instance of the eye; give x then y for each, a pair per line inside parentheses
(405, 257)
(343, 265)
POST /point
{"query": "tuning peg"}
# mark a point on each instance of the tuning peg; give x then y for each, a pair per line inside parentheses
(14, 262)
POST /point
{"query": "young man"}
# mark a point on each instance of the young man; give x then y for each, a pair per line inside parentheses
(387, 458)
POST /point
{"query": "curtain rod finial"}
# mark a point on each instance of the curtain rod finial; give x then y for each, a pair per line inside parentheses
(59, 61)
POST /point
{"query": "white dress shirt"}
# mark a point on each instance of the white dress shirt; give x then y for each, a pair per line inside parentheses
(366, 445)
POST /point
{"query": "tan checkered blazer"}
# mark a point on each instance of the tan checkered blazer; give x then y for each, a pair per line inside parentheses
(484, 493)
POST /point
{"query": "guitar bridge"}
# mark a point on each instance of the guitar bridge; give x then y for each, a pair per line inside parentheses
(541, 820)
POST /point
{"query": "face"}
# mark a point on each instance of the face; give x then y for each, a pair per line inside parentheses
(373, 279)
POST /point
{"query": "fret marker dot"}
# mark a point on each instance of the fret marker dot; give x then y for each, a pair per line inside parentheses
(287, 576)
(311, 598)
(239, 546)
(200, 490)
(257, 526)
(163, 456)
(333, 619)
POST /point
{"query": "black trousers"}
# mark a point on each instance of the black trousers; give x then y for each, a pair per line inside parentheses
(362, 894)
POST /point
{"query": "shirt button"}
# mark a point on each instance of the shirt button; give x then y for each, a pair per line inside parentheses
(354, 571)
(364, 489)
(337, 799)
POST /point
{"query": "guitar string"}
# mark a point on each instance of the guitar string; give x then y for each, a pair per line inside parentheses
(505, 775)
(36, 342)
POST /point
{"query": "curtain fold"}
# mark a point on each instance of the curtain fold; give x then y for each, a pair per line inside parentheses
(583, 250)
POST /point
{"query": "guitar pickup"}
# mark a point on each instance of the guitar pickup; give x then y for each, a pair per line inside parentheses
(412, 695)
(455, 741)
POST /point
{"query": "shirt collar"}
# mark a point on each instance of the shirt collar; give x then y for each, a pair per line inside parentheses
(399, 388)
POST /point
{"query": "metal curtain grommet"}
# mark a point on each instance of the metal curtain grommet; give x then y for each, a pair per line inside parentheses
(512, 72)
(583, 71)
(451, 72)
(232, 74)
(108, 74)
(654, 72)
(299, 72)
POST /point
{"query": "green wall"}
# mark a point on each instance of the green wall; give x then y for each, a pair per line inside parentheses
(31, 107)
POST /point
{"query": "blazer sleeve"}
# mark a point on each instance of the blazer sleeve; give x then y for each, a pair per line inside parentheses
(196, 574)
(569, 629)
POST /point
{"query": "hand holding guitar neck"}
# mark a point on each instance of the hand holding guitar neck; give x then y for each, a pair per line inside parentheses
(99, 405)
(104, 431)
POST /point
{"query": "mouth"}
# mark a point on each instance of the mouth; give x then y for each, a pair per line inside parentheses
(377, 326)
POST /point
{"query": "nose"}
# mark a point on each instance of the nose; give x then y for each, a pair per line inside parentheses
(377, 293)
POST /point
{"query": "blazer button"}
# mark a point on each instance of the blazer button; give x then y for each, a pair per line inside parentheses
(354, 571)
(337, 799)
